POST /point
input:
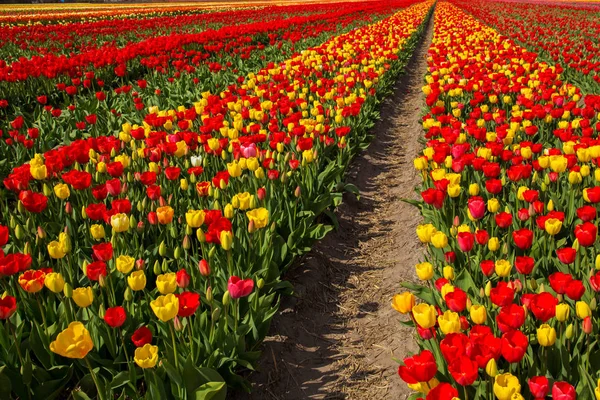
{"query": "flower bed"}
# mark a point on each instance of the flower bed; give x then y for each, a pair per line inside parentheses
(150, 261)
(507, 304)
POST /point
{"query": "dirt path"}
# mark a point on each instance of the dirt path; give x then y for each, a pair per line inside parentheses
(336, 337)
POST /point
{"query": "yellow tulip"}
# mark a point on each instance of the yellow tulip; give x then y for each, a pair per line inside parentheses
(546, 335)
(403, 302)
(478, 314)
(146, 356)
(97, 231)
(553, 226)
(56, 250)
(125, 264)
(424, 271)
(582, 309)
(165, 307)
(506, 385)
(137, 280)
(194, 218)
(54, 281)
(120, 222)
(562, 312)
(425, 315)
(234, 169)
(260, 217)
(449, 322)
(502, 268)
(83, 296)
(491, 368)
(439, 240)
(73, 342)
(424, 232)
(62, 191)
(166, 283)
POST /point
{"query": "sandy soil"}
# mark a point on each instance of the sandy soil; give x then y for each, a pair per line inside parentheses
(335, 338)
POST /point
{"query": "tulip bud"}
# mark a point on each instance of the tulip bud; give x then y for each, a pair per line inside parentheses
(27, 249)
(128, 296)
(533, 284)
(41, 233)
(156, 268)
(587, 326)
(261, 193)
(593, 304)
(188, 230)
(68, 290)
(19, 232)
(481, 292)
(162, 249)
(260, 283)
(228, 212)
(298, 192)
(209, 295)
(101, 311)
(211, 252)
(226, 238)
(216, 205)
(12, 222)
(132, 222)
(597, 263)
(569, 331)
(177, 324)
(164, 266)
(83, 213)
(177, 253)
(20, 207)
(253, 203)
(204, 267)
(186, 244)
(68, 207)
(488, 288)
(216, 314)
(226, 298)
(200, 236)
(251, 228)
(139, 264)
(491, 368)
(102, 281)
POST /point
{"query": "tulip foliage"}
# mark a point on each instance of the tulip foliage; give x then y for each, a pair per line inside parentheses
(147, 261)
(507, 306)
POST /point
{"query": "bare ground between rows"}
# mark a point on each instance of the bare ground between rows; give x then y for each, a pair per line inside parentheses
(335, 338)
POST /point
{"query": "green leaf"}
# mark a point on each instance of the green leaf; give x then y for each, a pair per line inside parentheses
(211, 391)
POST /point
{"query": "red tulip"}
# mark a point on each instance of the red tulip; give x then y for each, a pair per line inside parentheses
(482, 237)
(563, 391)
(239, 287)
(559, 281)
(586, 234)
(443, 391)
(141, 337)
(575, 290)
(418, 368)
(510, 317)
(523, 238)
(8, 306)
(103, 251)
(524, 264)
(456, 300)
(504, 220)
(586, 213)
(476, 207)
(465, 240)
(514, 345)
(464, 370)
(587, 325)
(454, 345)
(95, 270)
(115, 316)
(434, 197)
(487, 267)
(543, 306)
(32, 201)
(566, 255)
(538, 386)
(3, 235)
(502, 295)
(188, 303)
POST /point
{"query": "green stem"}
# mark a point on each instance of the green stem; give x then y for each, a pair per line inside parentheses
(95, 379)
(174, 346)
(43, 314)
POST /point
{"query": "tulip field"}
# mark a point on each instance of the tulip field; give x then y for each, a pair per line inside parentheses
(164, 167)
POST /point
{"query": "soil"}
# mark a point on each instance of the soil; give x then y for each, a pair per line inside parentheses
(337, 336)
